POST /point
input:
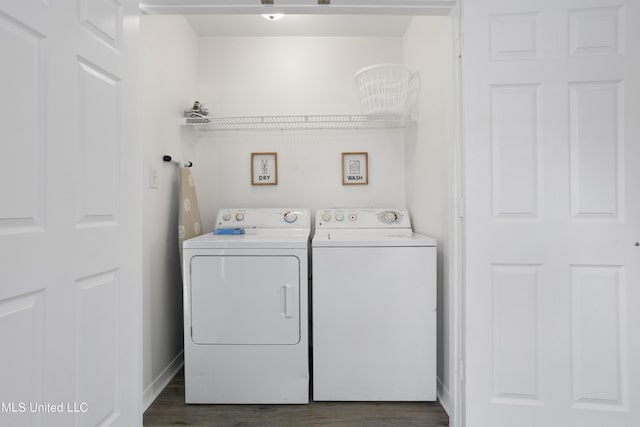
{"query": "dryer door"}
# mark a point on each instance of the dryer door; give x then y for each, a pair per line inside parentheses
(245, 299)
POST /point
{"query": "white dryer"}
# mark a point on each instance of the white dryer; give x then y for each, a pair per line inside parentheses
(373, 307)
(245, 308)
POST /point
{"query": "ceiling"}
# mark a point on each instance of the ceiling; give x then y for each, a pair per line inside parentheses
(300, 25)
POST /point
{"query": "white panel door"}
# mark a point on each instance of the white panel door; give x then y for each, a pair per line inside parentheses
(70, 245)
(552, 148)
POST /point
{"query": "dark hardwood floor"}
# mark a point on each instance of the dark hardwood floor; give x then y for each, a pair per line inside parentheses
(169, 409)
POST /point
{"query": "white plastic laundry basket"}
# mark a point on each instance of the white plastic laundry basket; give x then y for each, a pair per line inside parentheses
(384, 88)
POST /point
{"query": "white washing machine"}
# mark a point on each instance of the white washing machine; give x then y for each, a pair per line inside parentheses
(373, 307)
(246, 308)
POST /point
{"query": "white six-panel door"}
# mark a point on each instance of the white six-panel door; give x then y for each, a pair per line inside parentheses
(552, 152)
(70, 253)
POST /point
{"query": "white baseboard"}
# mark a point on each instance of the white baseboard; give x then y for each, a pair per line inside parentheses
(443, 397)
(155, 388)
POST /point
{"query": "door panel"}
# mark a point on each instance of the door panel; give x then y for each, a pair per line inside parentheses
(23, 363)
(596, 116)
(551, 90)
(97, 334)
(22, 80)
(598, 335)
(515, 353)
(70, 232)
(245, 299)
(99, 146)
(103, 18)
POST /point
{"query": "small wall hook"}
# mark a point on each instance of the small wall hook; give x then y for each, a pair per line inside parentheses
(186, 163)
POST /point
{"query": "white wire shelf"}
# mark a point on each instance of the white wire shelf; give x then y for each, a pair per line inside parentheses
(352, 121)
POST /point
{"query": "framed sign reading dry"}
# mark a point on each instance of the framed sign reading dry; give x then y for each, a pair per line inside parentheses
(264, 168)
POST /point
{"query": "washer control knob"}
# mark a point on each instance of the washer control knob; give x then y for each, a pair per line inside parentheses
(339, 217)
(326, 217)
(290, 217)
(239, 216)
(390, 216)
(226, 216)
(353, 217)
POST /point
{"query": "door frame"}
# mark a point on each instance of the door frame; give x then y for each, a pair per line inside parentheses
(457, 239)
(457, 234)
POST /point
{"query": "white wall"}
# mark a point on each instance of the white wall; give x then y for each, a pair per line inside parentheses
(168, 74)
(292, 76)
(427, 48)
(287, 75)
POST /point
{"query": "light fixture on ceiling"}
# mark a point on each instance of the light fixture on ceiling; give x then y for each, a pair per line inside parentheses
(272, 16)
(319, 1)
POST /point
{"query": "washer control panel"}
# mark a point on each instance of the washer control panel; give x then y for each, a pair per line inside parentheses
(362, 218)
(263, 218)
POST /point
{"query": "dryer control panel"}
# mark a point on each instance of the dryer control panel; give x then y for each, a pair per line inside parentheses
(361, 218)
(263, 218)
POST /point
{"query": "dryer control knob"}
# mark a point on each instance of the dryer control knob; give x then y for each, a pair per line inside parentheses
(239, 216)
(290, 217)
(339, 217)
(226, 216)
(326, 217)
(390, 216)
(353, 217)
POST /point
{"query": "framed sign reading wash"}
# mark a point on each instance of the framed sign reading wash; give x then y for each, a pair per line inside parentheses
(355, 169)
(264, 168)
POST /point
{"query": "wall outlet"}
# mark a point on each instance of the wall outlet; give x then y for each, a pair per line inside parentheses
(153, 178)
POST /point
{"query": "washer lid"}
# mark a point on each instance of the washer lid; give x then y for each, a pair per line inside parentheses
(361, 238)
